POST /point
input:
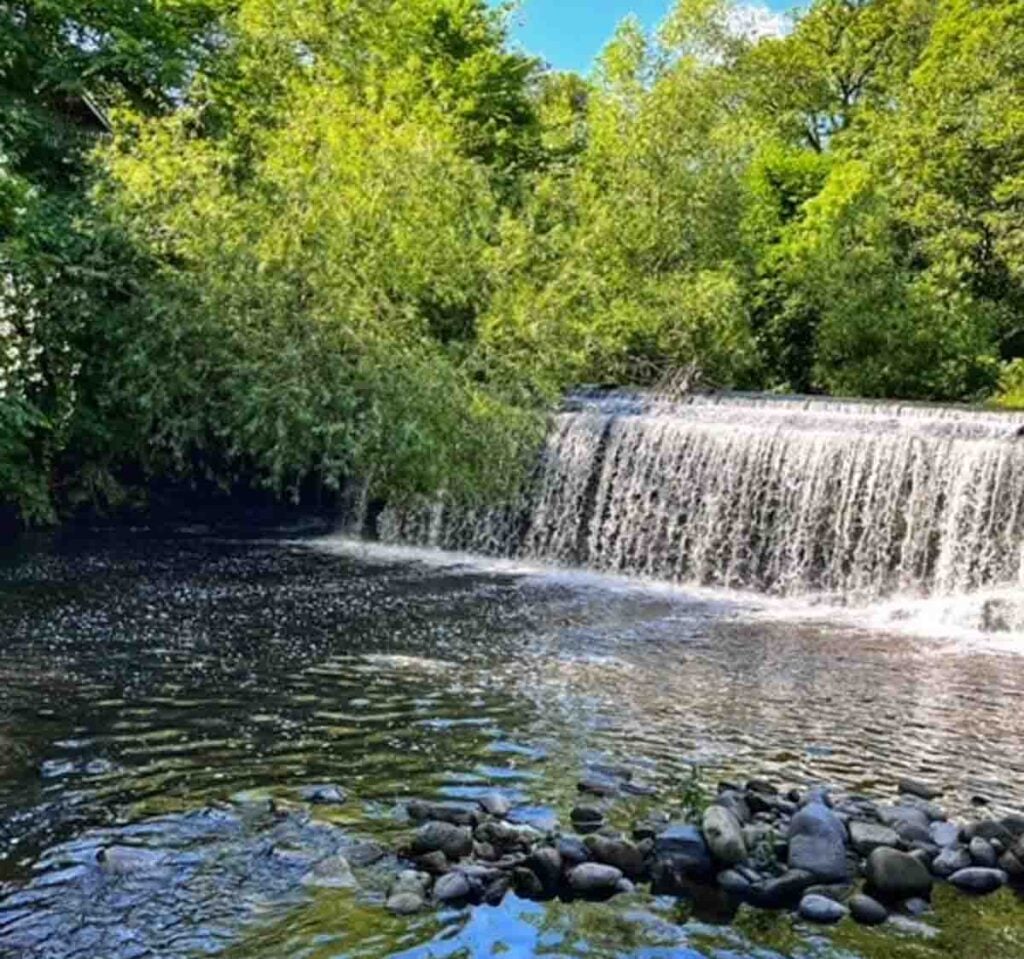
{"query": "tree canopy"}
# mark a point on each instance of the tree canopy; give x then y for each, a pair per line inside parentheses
(243, 239)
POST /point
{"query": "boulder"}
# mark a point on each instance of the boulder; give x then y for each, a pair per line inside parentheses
(822, 910)
(454, 841)
(573, 850)
(528, 884)
(546, 863)
(817, 843)
(951, 860)
(456, 814)
(982, 853)
(895, 875)
(620, 853)
(866, 837)
(495, 804)
(944, 834)
(682, 847)
(593, 878)
(782, 891)
(723, 834)
(453, 887)
(923, 790)
(978, 880)
(734, 883)
(867, 911)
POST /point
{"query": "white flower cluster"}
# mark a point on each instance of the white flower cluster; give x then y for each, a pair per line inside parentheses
(19, 351)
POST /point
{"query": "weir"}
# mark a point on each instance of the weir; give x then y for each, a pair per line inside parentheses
(789, 496)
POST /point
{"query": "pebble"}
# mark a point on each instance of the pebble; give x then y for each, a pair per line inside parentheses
(867, 911)
(822, 910)
(978, 880)
(592, 878)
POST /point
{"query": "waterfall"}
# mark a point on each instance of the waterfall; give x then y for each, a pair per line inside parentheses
(782, 495)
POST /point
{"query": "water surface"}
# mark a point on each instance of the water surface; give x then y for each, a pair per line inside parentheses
(156, 689)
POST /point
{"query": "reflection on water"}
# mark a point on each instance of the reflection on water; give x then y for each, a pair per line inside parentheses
(150, 680)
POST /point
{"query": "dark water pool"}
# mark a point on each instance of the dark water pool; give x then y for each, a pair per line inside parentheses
(156, 690)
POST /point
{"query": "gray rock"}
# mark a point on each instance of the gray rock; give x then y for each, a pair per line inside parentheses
(734, 883)
(324, 794)
(624, 886)
(503, 836)
(982, 853)
(497, 890)
(724, 836)
(527, 883)
(546, 863)
(896, 875)
(782, 891)
(495, 804)
(454, 841)
(334, 872)
(453, 887)
(944, 834)
(817, 843)
(868, 911)
(405, 903)
(683, 847)
(434, 862)
(917, 907)
(952, 859)
(822, 910)
(573, 850)
(736, 803)
(593, 878)
(456, 814)
(978, 880)
(584, 816)
(598, 785)
(989, 829)
(866, 837)
(620, 853)
(914, 787)
(1012, 866)
(124, 860)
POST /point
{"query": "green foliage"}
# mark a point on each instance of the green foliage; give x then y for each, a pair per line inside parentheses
(365, 237)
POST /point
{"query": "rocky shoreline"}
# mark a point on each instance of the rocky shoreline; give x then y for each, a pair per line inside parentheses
(822, 853)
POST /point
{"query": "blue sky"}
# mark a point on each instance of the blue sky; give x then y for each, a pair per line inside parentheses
(569, 33)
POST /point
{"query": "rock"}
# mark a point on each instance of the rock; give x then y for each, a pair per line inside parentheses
(991, 830)
(866, 837)
(639, 789)
(916, 907)
(724, 836)
(334, 872)
(624, 887)
(435, 862)
(895, 875)
(817, 843)
(503, 836)
(1014, 825)
(978, 880)
(598, 785)
(620, 853)
(914, 787)
(592, 878)
(454, 841)
(496, 890)
(1012, 866)
(736, 803)
(734, 883)
(325, 794)
(124, 860)
(527, 883)
(453, 887)
(408, 894)
(867, 911)
(822, 910)
(495, 804)
(782, 891)
(952, 859)
(982, 853)
(839, 891)
(456, 814)
(546, 863)
(682, 850)
(944, 834)
(405, 903)
(573, 850)
(484, 851)
(587, 817)
(762, 786)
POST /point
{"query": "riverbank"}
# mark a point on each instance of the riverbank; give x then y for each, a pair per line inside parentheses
(825, 854)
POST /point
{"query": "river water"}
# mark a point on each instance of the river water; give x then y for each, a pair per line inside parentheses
(156, 689)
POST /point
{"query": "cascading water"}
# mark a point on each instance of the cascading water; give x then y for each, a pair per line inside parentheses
(782, 495)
